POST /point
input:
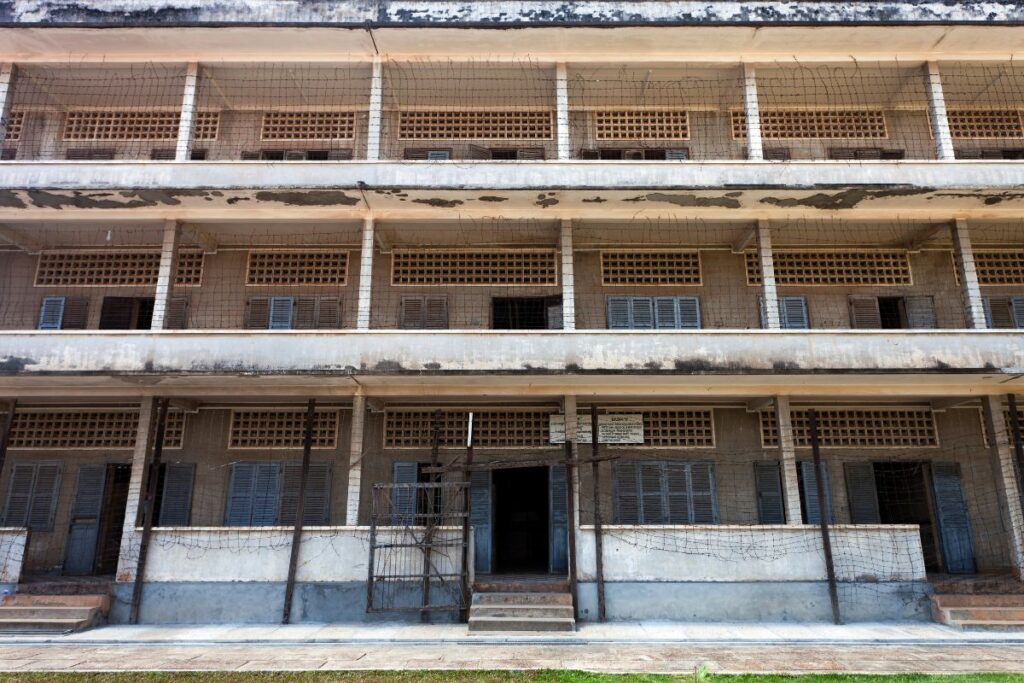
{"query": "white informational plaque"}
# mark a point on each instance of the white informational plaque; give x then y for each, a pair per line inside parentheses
(626, 428)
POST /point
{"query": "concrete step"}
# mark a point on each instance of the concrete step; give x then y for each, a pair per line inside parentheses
(28, 613)
(1012, 626)
(40, 626)
(945, 601)
(532, 585)
(100, 602)
(522, 599)
(528, 611)
(960, 614)
(520, 624)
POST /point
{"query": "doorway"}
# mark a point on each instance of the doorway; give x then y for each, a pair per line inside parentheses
(904, 497)
(97, 520)
(521, 521)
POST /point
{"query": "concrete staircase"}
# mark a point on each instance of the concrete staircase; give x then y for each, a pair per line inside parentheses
(533, 605)
(980, 611)
(28, 614)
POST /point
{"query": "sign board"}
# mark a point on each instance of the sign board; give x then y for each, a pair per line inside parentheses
(626, 428)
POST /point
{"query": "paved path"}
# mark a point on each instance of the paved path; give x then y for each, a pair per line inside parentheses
(641, 647)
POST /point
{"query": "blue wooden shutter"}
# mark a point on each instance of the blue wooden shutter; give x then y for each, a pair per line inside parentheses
(625, 492)
(84, 529)
(316, 511)
(559, 518)
(51, 313)
(176, 497)
(480, 519)
(1017, 306)
(771, 507)
(281, 312)
(678, 501)
(238, 511)
(951, 515)
(666, 312)
(618, 313)
(920, 312)
(641, 313)
(793, 313)
(689, 313)
(45, 490)
(809, 491)
(403, 498)
(652, 496)
(19, 495)
(703, 497)
(266, 494)
(862, 493)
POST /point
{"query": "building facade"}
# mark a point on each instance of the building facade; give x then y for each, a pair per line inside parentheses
(383, 262)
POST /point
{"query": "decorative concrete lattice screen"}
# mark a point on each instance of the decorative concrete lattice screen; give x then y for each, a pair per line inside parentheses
(525, 428)
(279, 429)
(308, 125)
(667, 267)
(516, 267)
(305, 267)
(136, 125)
(834, 268)
(985, 124)
(804, 124)
(1003, 267)
(679, 429)
(15, 124)
(475, 125)
(624, 124)
(858, 428)
(113, 269)
(87, 429)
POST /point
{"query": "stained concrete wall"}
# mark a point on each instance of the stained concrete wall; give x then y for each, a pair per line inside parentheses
(12, 554)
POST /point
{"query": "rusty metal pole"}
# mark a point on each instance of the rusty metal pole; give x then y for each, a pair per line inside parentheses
(5, 431)
(300, 509)
(598, 522)
(432, 511)
(466, 501)
(826, 539)
(570, 501)
(152, 475)
(1018, 440)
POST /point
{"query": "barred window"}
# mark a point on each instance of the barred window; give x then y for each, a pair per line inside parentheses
(308, 125)
(797, 124)
(641, 125)
(280, 429)
(858, 428)
(15, 124)
(85, 268)
(114, 428)
(985, 124)
(206, 126)
(474, 267)
(1002, 267)
(121, 125)
(679, 429)
(830, 268)
(298, 267)
(475, 125)
(662, 267)
(523, 428)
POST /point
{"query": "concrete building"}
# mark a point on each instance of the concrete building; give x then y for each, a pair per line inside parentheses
(380, 261)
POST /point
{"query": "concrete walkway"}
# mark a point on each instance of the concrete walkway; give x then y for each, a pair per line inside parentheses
(640, 647)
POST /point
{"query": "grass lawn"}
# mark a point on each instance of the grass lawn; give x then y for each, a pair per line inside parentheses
(488, 677)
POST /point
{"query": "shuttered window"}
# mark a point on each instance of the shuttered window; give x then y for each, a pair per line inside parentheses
(298, 313)
(176, 317)
(808, 483)
(317, 508)
(253, 494)
(862, 493)
(914, 312)
(32, 495)
(792, 313)
(661, 312)
(1003, 312)
(664, 492)
(175, 505)
(63, 313)
(423, 312)
(771, 507)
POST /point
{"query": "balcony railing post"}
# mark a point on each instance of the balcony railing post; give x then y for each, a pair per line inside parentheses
(787, 460)
(374, 113)
(6, 85)
(562, 110)
(755, 149)
(769, 293)
(355, 460)
(183, 149)
(165, 275)
(568, 278)
(365, 276)
(963, 252)
(939, 116)
(1008, 489)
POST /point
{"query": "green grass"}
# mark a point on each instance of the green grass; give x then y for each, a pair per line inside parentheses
(489, 677)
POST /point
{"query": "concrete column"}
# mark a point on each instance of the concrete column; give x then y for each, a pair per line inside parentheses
(937, 111)
(165, 275)
(355, 460)
(6, 85)
(562, 111)
(568, 277)
(365, 276)
(963, 252)
(755, 148)
(128, 558)
(787, 459)
(183, 149)
(373, 118)
(1007, 487)
(768, 290)
(571, 430)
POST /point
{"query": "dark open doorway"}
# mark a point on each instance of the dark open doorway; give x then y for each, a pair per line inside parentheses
(904, 497)
(521, 543)
(97, 519)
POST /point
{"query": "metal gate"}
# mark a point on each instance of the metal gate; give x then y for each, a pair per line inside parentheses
(418, 549)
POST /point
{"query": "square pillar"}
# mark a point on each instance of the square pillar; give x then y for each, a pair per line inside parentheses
(166, 275)
(6, 87)
(365, 276)
(374, 113)
(355, 460)
(787, 460)
(755, 147)
(128, 558)
(562, 111)
(769, 294)
(963, 253)
(569, 409)
(183, 149)
(937, 111)
(1007, 486)
(568, 277)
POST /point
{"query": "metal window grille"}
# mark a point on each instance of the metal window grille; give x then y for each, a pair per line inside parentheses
(829, 268)
(668, 267)
(800, 124)
(679, 429)
(304, 267)
(87, 429)
(113, 269)
(475, 125)
(308, 125)
(15, 123)
(1002, 267)
(985, 124)
(858, 428)
(475, 267)
(651, 124)
(280, 429)
(525, 428)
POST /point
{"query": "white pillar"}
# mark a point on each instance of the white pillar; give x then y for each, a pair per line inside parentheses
(1007, 487)
(128, 558)
(183, 149)
(787, 460)
(355, 460)
(6, 84)
(963, 253)
(569, 409)
(365, 276)
(937, 110)
(768, 290)
(562, 111)
(568, 277)
(755, 148)
(374, 114)
(165, 275)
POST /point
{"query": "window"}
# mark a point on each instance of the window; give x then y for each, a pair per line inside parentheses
(15, 123)
(523, 428)
(63, 313)
(1003, 267)
(126, 313)
(664, 492)
(792, 312)
(421, 154)
(771, 504)
(858, 428)
(89, 154)
(656, 268)
(293, 313)
(892, 313)
(267, 494)
(808, 483)
(636, 154)
(865, 154)
(113, 269)
(985, 124)
(32, 495)
(474, 267)
(173, 503)
(423, 312)
(281, 429)
(299, 267)
(475, 125)
(660, 124)
(526, 313)
(1004, 312)
(659, 312)
(834, 268)
(308, 125)
(796, 124)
